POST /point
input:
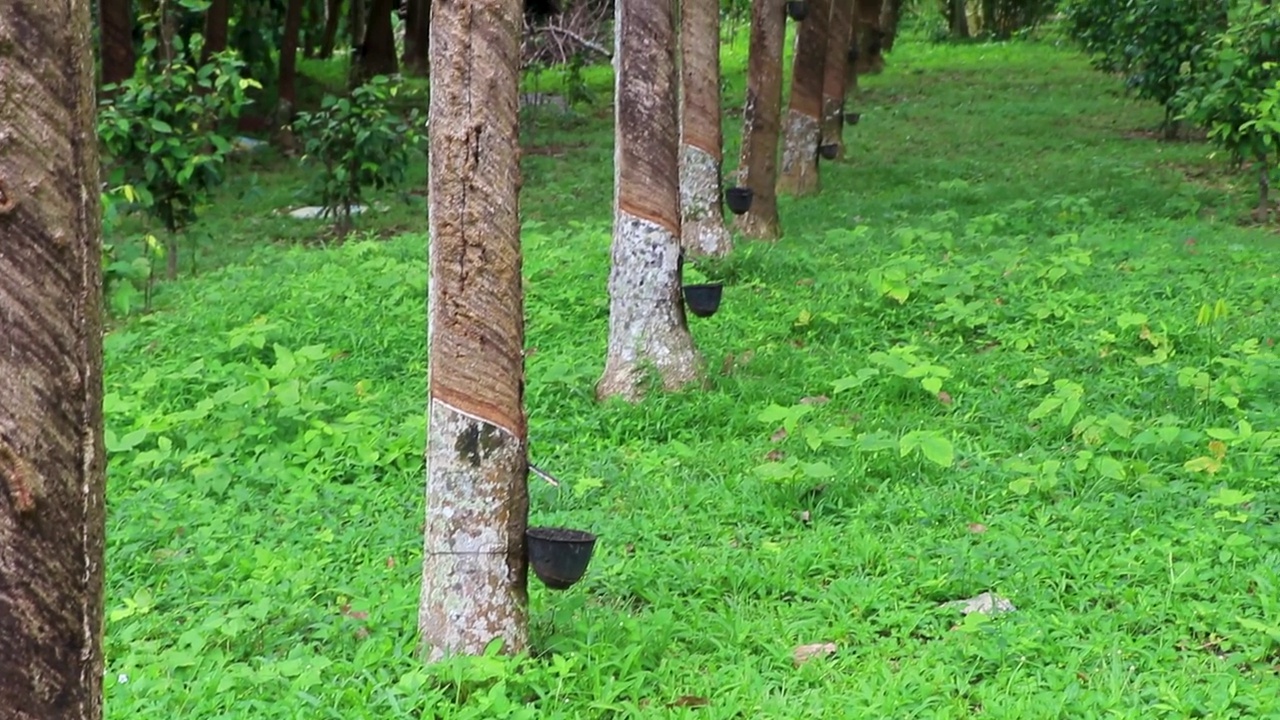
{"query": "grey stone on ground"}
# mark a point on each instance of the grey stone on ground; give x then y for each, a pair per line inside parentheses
(314, 211)
(988, 603)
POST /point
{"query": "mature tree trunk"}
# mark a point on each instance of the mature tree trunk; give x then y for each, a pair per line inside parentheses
(417, 37)
(803, 128)
(474, 572)
(890, 15)
(958, 18)
(647, 326)
(288, 92)
(115, 19)
(216, 19)
(52, 460)
(356, 15)
(758, 168)
(378, 56)
(835, 74)
(701, 135)
(312, 27)
(867, 37)
(332, 14)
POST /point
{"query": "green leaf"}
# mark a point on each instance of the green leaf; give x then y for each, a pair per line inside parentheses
(1109, 467)
(1022, 486)
(932, 445)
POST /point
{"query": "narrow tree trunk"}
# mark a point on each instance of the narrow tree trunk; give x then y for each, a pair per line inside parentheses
(356, 23)
(867, 37)
(758, 168)
(312, 27)
(647, 326)
(379, 54)
(701, 134)
(288, 94)
(417, 37)
(52, 460)
(332, 13)
(890, 15)
(216, 19)
(115, 18)
(803, 128)
(474, 571)
(835, 72)
(959, 20)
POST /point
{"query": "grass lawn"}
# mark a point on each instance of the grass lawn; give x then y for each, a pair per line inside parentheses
(1013, 346)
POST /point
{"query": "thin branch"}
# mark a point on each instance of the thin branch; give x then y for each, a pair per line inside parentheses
(589, 44)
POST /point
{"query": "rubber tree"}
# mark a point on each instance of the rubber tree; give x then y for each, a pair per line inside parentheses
(758, 167)
(417, 36)
(329, 38)
(867, 37)
(52, 460)
(803, 128)
(288, 92)
(703, 231)
(474, 570)
(378, 56)
(835, 74)
(648, 330)
(115, 22)
(216, 21)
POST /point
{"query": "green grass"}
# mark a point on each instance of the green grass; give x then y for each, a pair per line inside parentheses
(267, 427)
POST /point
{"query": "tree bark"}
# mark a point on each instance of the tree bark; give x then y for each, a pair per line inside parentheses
(890, 15)
(115, 18)
(216, 19)
(288, 93)
(312, 26)
(758, 168)
(647, 325)
(701, 133)
(356, 16)
(52, 469)
(379, 49)
(474, 571)
(959, 17)
(417, 37)
(867, 37)
(799, 174)
(332, 13)
(835, 74)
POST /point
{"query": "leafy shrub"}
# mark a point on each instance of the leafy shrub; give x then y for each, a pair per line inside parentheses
(360, 143)
(1233, 91)
(160, 131)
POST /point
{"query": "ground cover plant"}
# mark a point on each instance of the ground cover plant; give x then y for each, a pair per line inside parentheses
(1013, 346)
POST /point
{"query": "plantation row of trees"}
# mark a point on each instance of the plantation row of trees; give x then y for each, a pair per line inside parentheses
(1212, 64)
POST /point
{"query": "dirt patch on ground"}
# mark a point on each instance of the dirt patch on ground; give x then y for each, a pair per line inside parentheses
(1183, 135)
(552, 149)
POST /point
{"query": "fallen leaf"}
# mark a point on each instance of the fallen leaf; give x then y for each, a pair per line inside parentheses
(977, 528)
(815, 400)
(530, 352)
(999, 301)
(391, 562)
(690, 701)
(727, 366)
(944, 397)
(805, 653)
(803, 515)
(803, 282)
(629, 549)
(797, 343)
(774, 455)
(778, 435)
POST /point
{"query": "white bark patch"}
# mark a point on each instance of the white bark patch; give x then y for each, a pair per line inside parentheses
(701, 215)
(473, 576)
(801, 133)
(647, 327)
(833, 123)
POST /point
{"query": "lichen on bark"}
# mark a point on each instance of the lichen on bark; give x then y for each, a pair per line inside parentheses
(702, 227)
(799, 174)
(758, 166)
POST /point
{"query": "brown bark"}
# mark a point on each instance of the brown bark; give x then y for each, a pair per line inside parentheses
(647, 327)
(357, 13)
(312, 26)
(52, 470)
(701, 133)
(959, 17)
(867, 37)
(417, 37)
(115, 18)
(474, 571)
(288, 93)
(799, 175)
(378, 54)
(834, 73)
(215, 29)
(332, 13)
(758, 168)
(890, 15)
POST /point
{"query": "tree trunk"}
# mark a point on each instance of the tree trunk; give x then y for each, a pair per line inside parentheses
(417, 37)
(799, 174)
(758, 168)
(115, 19)
(647, 326)
(378, 55)
(867, 37)
(356, 22)
(215, 29)
(288, 93)
(834, 74)
(474, 572)
(701, 134)
(959, 20)
(52, 460)
(332, 13)
(890, 15)
(312, 27)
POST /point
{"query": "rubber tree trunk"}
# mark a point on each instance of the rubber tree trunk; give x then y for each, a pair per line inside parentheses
(701, 134)
(115, 18)
(216, 20)
(758, 168)
(803, 128)
(312, 27)
(52, 460)
(647, 326)
(288, 86)
(474, 570)
(357, 13)
(959, 19)
(835, 74)
(417, 37)
(867, 37)
(379, 55)
(890, 15)
(332, 14)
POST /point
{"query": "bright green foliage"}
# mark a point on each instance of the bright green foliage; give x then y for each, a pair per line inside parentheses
(358, 142)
